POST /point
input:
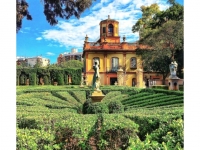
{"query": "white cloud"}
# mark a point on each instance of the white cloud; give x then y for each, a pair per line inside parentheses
(22, 31)
(72, 32)
(50, 54)
(51, 45)
(39, 38)
(27, 28)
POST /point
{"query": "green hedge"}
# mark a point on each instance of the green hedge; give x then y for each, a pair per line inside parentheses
(48, 75)
(165, 87)
(46, 80)
(32, 78)
(60, 78)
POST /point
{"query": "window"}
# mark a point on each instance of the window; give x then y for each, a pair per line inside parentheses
(77, 57)
(110, 29)
(104, 29)
(133, 63)
(96, 58)
(115, 63)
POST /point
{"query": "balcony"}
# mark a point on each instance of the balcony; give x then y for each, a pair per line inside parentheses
(111, 69)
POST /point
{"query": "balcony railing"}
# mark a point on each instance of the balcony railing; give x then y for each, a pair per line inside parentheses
(111, 69)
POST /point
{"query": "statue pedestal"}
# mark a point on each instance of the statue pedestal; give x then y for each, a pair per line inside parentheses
(81, 86)
(173, 83)
(97, 96)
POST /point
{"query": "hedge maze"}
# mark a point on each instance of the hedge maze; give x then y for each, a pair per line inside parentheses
(62, 117)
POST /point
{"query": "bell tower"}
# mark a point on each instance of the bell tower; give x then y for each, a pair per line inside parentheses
(109, 31)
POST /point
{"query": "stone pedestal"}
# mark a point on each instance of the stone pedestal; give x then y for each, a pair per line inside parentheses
(139, 76)
(120, 76)
(173, 83)
(97, 96)
(81, 86)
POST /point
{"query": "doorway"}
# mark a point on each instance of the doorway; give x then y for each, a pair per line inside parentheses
(112, 81)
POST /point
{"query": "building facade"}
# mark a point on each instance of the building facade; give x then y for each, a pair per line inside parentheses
(33, 60)
(117, 60)
(74, 55)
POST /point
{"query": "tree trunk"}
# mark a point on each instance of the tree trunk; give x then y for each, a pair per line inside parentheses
(164, 77)
(172, 56)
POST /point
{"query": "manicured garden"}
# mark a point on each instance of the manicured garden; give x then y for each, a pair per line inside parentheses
(62, 117)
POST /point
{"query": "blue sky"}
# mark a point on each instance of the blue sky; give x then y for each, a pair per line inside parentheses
(38, 38)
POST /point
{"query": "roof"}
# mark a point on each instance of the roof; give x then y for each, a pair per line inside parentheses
(72, 54)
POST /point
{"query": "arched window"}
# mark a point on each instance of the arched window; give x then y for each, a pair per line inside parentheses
(110, 30)
(115, 64)
(133, 63)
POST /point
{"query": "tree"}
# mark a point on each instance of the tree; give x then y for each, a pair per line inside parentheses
(38, 64)
(22, 64)
(152, 63)
(72, 64)
(142, 25)
(166, 40)
(21, 12)
(164, 36)
(175, 12)
(53, 9)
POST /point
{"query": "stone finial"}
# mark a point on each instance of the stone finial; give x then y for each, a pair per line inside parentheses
(108, 16)
(124, 38)
(86, 38)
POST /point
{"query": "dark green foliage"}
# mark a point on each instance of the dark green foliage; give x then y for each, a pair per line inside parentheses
(169, 92)
(88, 93)
(27, 123)
(46, 80)
(96, 108)
(75, 75)
(170, 132)
(21, 12)
(181, 87)
(22, 79)
(105, 91)
(72, 64)
(65, 79)
(60, 78)
(86, 105)
(32, 78)
(146, 125)
(165, 87)
(115, 107)
(49, 75)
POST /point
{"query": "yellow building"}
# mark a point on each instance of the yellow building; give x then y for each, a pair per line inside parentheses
(118, 61)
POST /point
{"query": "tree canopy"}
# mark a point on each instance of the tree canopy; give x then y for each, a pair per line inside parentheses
(162, 31)
(53, 9)
(72, 64)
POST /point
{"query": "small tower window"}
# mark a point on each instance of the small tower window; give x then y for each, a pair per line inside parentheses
(104, 29)
(110, 30)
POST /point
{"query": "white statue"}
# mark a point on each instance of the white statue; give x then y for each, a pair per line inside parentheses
(173, 68)
(98, 84)
(96, 76)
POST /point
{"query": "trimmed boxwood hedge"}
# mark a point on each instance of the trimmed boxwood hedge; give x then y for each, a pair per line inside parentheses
(49, 75)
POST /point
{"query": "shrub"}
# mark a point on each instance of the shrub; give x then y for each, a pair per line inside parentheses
(46, 80)
(86, 106)
(32, 78)
(115, 107)
(98, 107)
(60, 78)
(165, 87)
